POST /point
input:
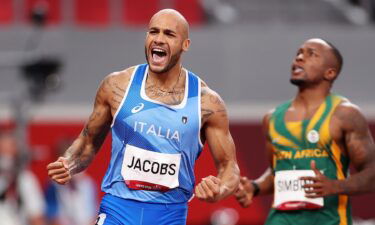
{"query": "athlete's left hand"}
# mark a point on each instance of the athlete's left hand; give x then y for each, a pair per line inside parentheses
(318, 186)
(208, 189)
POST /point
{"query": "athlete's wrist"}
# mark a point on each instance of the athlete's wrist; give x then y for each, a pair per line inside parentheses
(224, 191)
(338, 187)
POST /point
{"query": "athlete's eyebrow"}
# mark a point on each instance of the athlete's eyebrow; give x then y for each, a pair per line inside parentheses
(169, 31)
(154, 28)
(312, 50)
(166, 31)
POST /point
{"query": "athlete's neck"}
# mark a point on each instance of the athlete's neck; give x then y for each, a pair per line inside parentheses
(166, 80)
(310, 98)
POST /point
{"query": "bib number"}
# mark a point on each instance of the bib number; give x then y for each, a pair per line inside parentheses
(289, 193)
(147, 170)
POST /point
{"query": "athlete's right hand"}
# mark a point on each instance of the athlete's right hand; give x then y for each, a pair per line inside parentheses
(245, 192)
(59, 171)
(209, 189)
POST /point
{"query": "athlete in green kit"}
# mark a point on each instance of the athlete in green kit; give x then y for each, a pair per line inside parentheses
(311, 140)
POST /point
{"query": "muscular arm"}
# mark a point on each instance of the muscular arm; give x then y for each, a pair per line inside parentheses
(216, 132)
(79, 155)
(361, 150)
(81, 152)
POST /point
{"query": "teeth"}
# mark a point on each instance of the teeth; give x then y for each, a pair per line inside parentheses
(158, 50)
(298, 70)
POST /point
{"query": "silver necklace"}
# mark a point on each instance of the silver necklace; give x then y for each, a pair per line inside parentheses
(169, 92)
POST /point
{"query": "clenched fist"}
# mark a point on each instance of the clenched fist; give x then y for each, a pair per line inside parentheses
(59, 171)
(209, 189)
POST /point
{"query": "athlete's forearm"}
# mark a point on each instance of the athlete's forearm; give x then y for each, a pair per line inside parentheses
(361, 182)
(229, 175)
(265, 182)
(79, 155)
(85, 147)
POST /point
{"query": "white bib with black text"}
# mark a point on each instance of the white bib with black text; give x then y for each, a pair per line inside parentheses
(147, 170)
(289, 193)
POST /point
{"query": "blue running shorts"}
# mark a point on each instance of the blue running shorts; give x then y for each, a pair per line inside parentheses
(118, 211)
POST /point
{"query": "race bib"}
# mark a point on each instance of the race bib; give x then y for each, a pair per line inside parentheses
(148, 170)
(289, 194)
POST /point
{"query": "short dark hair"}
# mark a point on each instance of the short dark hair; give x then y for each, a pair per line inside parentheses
(337, 54)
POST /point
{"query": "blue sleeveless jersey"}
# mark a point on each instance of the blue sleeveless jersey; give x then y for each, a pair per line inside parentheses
(156, 127)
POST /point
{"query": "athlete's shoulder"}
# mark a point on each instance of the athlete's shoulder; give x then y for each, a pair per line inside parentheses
(274, 112)
(118, 78)
(270, 113)
(347, 107)
(114, 84)
(349, 114)
(207, 92)
(267, 116)
(121, 75)
(212, 105)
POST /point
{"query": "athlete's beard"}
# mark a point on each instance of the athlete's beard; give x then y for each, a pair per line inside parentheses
(297, 82)
(172, 63)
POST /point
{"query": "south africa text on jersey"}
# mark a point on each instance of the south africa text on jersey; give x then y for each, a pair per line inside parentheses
(301, 154)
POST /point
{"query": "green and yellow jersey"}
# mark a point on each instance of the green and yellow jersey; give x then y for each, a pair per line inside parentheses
(295, 144)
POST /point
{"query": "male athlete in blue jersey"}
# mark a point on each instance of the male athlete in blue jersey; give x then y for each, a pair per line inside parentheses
(160, 115)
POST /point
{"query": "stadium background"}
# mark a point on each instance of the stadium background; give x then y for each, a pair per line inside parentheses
(242, 48)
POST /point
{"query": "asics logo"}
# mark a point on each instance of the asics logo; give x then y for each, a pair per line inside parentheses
(138, 108)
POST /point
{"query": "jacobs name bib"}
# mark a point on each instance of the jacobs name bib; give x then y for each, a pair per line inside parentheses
(147, 170)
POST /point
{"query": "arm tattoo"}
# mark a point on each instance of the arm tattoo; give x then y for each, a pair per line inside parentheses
(99, 138)
(80, 156)
(206, 113)
(216, 100)
(92, 136)
(105, 86)
(355, 130)
(215, 103)
(117, 94)
(119, 88)
(115, 100)
(85, 131)
(77, 164)
(361, 150)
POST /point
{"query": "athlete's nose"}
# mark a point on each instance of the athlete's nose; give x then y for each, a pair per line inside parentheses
(299, 57)
(159, 39)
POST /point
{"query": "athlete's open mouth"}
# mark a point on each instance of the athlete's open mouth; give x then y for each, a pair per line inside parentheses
(297, 69)
(158, 55)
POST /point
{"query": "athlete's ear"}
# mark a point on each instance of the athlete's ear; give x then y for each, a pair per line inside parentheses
(330, 74)
(186, 45)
